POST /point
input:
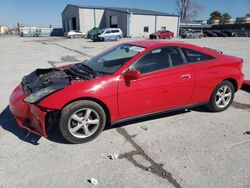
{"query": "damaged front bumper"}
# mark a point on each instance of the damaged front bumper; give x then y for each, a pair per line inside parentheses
(27, 115)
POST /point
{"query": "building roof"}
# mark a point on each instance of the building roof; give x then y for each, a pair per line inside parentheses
(126, 10)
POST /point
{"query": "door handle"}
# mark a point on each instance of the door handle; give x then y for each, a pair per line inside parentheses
(186, 76)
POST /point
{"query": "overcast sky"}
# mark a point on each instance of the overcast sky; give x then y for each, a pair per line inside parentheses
(46, 12)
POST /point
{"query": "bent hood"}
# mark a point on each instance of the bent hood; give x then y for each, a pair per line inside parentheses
(43, 82)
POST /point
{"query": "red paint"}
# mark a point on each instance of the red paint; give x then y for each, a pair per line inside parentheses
(140, 94)
(246, 82)
(163, 34)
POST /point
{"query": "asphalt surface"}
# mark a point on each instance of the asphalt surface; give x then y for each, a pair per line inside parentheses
(189, 148)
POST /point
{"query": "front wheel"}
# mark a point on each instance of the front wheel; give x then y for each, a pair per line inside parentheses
(118, 38)
(82, 121)
(222, 97)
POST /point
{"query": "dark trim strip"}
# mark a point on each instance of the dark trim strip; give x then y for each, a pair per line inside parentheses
(159, 112)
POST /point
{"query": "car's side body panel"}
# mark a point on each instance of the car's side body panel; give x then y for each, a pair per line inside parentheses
(165, 89)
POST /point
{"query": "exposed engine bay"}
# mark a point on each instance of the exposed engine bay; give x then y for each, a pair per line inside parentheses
(42, 82)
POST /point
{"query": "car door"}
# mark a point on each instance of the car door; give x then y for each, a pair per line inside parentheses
(114, 34)
(108, 35)
(166, 82)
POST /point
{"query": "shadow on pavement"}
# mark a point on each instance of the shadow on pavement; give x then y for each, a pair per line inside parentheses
(246, 88)
(8, 123)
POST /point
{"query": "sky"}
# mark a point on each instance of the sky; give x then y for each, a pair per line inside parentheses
(46, 12)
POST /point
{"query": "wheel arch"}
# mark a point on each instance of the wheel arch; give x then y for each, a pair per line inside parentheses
(53, 116)
(234, 82)
(101, 103)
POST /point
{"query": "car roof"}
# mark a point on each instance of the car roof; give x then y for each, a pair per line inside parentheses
(151, 43)
(159, 43)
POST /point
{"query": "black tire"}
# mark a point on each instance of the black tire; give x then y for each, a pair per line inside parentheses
(118, 38)
(65, 120)
(212, 103)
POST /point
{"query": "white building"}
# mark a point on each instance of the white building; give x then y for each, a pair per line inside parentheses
(133, 22)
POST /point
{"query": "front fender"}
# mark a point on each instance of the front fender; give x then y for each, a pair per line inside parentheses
(104, 90)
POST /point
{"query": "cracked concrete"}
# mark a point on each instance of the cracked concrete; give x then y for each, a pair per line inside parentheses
(193, 148)
(155, 168)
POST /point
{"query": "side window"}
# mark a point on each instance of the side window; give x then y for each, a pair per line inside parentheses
(145, 29)
(158, 59)
(107, 32)
(194, 56)
(115, 31)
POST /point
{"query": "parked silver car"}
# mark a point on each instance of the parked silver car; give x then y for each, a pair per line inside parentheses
(75, 33)
(192, 34)
(108, 34)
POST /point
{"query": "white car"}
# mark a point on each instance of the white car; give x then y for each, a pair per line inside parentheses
(75, 33)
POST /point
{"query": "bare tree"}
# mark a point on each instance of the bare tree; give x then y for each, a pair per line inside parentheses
(188, 9)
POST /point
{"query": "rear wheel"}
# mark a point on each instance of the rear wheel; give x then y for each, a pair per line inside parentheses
(222, 97)
(82, 121)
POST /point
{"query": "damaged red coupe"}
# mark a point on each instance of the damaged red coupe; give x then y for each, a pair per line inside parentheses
(130, 80)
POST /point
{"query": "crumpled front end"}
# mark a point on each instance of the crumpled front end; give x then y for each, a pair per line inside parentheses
(27, 115)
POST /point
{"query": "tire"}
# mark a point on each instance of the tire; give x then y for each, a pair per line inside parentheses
(75, 127)
(222, 97)
(118, 38)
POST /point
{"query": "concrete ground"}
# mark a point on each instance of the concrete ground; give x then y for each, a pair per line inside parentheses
(190, 148)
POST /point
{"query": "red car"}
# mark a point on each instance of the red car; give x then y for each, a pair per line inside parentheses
(164, 34)
(128, 81)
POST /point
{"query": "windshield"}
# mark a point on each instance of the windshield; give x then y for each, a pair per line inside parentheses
(111, 60)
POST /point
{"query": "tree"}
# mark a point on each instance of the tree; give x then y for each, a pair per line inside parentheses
(225, 18)
(247, 15)
(188, 9)
(215, 15)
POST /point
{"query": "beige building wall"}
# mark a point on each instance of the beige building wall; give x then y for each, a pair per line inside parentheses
(137, 24)
(100, 18)
(90, 18)
(86, 19)
(170, 22)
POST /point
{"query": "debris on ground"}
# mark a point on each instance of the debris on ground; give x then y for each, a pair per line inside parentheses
(111, 156)
(144, 128)
(93, 181)
(148, 169)
(247, 132)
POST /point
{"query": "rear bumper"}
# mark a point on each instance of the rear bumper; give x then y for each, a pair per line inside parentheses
(246, 82)
(28, 116)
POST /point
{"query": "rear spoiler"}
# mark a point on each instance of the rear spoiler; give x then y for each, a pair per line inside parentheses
(214, 50)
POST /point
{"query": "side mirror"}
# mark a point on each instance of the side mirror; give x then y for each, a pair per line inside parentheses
(132, 75)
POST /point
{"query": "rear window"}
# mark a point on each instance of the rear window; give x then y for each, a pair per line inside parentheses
(195, 56)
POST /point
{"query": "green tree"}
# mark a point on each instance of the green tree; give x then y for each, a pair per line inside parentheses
(225, 18)
(216, 15)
